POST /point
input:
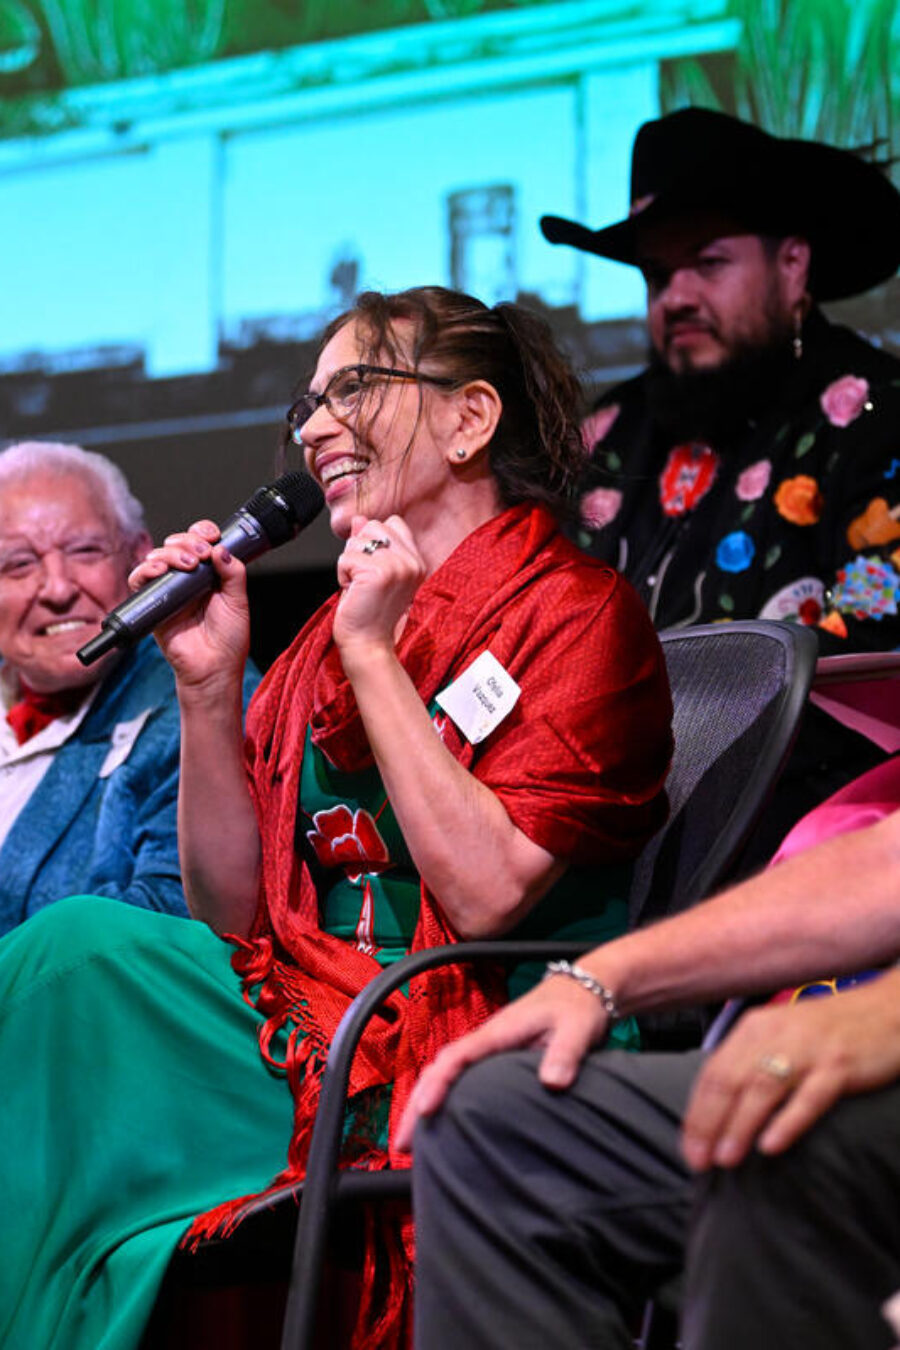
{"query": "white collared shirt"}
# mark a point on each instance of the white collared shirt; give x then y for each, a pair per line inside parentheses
(23, 766)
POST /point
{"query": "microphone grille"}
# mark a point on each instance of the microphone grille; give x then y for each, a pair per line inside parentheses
(288, 505)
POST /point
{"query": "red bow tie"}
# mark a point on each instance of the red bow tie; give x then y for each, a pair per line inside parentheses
(36, 711)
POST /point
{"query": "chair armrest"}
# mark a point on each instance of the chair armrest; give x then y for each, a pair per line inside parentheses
(321, 1173)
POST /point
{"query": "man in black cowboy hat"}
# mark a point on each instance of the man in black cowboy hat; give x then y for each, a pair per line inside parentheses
(753, 469)
(755, 456)
(750, 469)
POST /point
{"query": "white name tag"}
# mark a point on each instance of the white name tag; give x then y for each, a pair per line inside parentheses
(480, 699)
(123, 738)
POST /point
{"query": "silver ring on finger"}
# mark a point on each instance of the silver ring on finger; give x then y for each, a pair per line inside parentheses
(777, 1066)
(372, 545)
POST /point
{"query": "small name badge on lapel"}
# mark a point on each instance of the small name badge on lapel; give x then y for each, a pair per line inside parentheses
(121, 742)
(480, 698)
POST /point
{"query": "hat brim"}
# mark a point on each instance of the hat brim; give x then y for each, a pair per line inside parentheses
(618, 241)
(847, 209)
(615, 241)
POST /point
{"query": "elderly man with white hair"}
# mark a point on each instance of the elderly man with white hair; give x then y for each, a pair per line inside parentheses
(88, 755)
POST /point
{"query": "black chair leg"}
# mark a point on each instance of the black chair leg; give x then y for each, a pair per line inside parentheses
(659, 1329)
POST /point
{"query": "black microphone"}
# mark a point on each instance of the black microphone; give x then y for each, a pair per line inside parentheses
(272, 516)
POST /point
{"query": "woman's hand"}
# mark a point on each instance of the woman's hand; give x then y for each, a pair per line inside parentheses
(211, 637)
(379, 572)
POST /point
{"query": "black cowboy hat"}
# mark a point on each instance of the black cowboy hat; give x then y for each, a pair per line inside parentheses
(846, 207)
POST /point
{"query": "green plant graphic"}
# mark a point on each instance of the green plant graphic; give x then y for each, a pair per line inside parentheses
(98, 40)
(820, 69)
(20, 36)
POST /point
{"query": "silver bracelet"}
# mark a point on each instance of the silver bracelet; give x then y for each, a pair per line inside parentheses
(582, 976)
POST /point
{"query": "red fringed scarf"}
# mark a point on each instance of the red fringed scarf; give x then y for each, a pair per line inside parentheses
(291, 970)
(571, 771)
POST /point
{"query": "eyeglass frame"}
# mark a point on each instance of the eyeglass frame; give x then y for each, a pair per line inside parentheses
(362, 368)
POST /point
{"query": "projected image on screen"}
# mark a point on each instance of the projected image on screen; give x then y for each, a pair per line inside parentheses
(190, 190)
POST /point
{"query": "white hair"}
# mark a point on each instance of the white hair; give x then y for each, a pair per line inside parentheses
(20, 461)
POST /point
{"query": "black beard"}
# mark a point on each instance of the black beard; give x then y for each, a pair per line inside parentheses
(715, 406)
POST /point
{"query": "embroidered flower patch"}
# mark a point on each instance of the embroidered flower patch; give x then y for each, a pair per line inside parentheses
(867, 588)
(365, 924)
(344, 838)
(833, 623)
(799, 500)
(600, 506)
(752, 483)
(800, 601)
(844, 400)
(875, 526)
(735, 552)
(810, 612)
(689, 474)
(596, 427)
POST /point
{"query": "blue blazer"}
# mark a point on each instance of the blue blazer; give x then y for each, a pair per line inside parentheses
(102, 820)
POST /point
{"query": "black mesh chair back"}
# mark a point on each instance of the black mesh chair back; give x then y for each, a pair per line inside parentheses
(738, 690)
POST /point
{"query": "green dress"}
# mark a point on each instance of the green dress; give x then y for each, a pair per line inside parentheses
(134, 1093)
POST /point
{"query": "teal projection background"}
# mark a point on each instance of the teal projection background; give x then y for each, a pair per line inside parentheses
(189, 189)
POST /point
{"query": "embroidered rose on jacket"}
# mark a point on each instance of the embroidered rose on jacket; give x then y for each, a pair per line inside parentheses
(875, 526)
(600, 506)
(844, 400)
(735, 552)
(595, 428)
(752, 483)
(689, 474)
(799, 500)
(345, 838)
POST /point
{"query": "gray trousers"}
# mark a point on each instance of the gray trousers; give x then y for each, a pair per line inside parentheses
(802, 1249)
(546, 1219)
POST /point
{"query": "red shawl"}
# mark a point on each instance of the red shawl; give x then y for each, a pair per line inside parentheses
(579, 765)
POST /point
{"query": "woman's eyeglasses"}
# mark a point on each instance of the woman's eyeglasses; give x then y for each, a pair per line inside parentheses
(344, 390)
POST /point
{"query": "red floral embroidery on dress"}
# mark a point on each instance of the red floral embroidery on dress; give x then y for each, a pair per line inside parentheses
(343, 838)
(365, 927)
(439, 722)
(689, 474)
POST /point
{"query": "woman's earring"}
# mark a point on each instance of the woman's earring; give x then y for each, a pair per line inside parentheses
(460, 452)
(798, 335)
(297, 436)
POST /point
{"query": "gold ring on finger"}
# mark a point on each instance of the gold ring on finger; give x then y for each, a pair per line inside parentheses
(778, 1066)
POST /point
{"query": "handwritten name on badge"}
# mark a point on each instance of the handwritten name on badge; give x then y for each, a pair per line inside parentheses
(480, 698)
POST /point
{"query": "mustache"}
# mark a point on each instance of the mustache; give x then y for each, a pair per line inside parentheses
(688, 318)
